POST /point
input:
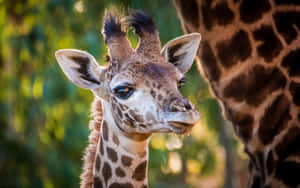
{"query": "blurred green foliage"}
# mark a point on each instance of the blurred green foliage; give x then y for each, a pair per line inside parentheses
(44, 118)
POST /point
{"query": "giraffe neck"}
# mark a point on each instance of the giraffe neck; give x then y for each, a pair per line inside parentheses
(120, 161)
(250, 57)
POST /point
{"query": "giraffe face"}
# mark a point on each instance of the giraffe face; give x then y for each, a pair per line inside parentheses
(141, 85)
(144, 97)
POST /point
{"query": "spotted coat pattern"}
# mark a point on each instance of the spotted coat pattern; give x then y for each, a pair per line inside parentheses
(250, 55)
(115, 166)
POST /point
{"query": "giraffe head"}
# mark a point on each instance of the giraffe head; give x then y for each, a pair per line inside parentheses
(140, 86)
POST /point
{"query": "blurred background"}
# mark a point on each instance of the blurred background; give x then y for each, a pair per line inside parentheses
(44, 118)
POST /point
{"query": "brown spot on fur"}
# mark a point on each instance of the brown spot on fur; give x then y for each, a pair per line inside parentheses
(236, 49)
(256, 182)
(128, 117)
(120, 172)
(189, 11)
(209, 62)
(291, 62)
(120, 114)
(123, 107)
(256, 85)
(140, 171)
(219, 14)
(106, 172)
(153, 94)
(97, 183)
(287, 23)
(270, 163)
(253, 10)
(105, 131)
(295, 91)
(136, 116)
(128, 123)
(270, 46)
(101, 147)
(243, 123)
(275, 119)
(112, 154)
(289, 144)
(98, 163)
(116, 140)
(121, 185)
(126, 160)
(159, 97)
(288, 173)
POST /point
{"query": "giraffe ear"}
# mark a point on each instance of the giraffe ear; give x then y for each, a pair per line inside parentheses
(182, 50)
(81, 68)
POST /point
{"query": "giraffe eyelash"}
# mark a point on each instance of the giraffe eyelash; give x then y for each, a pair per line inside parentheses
(123, 91)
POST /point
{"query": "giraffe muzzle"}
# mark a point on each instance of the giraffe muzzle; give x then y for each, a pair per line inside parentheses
(181, 122)
(180, 104)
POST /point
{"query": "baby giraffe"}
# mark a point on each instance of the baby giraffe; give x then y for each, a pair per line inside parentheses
(136, 95)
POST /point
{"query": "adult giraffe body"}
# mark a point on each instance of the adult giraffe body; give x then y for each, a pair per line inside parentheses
(138, 92)
(250, 55)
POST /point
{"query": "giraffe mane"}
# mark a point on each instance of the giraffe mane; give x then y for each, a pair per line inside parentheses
(91, 150)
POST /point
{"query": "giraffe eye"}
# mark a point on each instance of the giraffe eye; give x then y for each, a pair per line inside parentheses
(123, 92)
(181, 82)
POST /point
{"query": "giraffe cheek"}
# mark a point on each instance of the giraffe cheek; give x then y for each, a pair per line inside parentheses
(117, 111)
(137, 117)
(129, 123)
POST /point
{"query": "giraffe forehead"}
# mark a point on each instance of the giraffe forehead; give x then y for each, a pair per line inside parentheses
(156, 72)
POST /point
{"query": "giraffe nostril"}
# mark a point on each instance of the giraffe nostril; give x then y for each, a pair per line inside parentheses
(179, 104)
(187, 104)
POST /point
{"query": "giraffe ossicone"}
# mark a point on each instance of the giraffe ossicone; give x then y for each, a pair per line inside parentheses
(136, 95)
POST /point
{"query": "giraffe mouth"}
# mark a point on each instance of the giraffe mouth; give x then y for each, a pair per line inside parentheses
(181, 122)
(180, 127)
